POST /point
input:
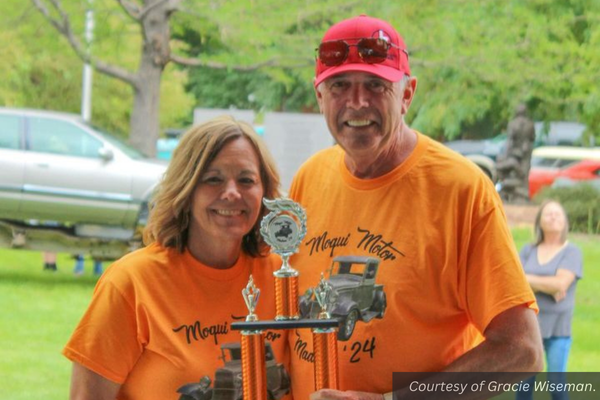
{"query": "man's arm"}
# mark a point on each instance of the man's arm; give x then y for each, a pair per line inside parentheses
(512, 344)
(88, 385)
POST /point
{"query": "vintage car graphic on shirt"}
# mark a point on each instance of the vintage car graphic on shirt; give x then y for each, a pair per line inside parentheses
(228, 380)
(355, 297)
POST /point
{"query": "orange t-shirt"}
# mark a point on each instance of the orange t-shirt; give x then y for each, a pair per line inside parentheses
(448, 264)
(158, 318)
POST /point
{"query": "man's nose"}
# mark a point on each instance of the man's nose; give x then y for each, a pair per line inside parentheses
(358, 97)
(231, 190)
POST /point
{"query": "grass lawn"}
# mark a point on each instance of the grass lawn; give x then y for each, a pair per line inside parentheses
(40, 310)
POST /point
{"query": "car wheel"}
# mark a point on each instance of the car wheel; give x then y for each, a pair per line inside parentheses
(347, 327)
(380, 304)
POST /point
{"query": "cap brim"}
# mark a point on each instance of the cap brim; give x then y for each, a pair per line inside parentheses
(382, 71)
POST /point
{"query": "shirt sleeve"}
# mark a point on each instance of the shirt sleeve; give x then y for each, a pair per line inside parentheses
(106, 339)
(495, 278)
(572, 261)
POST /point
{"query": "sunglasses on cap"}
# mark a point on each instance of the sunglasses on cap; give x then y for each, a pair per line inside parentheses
(370, 50)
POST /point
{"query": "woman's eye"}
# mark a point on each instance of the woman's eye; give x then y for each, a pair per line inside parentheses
(247, 181)
(212, 180)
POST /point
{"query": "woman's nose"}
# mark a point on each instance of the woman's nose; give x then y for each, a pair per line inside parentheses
(231, 191)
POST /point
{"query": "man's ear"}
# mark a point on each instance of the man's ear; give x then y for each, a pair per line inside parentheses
(408, 94)
(319, 97)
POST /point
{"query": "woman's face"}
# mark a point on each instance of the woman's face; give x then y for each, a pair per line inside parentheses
(227, 199)
(552, 219)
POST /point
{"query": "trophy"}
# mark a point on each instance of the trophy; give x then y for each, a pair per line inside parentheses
(283, 229)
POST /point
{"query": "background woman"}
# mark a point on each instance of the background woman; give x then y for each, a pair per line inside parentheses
(160, 314)
(552, 267)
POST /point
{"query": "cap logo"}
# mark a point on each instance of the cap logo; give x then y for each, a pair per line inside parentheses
(380, 34)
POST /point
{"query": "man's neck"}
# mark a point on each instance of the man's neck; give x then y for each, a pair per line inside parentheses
(372, 166)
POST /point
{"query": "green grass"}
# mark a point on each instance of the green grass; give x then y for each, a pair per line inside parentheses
(40, 309)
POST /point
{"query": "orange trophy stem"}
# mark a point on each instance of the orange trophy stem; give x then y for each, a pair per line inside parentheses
(326, 359)
(254, 371)
(286, 297)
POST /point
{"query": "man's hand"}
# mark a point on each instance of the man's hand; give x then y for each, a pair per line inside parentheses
(330, 394)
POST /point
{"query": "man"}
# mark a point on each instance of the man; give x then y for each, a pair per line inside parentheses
(457, 299)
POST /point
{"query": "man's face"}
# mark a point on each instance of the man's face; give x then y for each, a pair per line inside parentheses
(364, 112)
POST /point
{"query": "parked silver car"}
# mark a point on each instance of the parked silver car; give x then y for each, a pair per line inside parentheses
(58, 173)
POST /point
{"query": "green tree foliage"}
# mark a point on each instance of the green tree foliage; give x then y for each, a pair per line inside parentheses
(475, 61)
(40, 70)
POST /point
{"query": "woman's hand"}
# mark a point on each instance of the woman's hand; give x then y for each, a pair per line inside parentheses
(560, 295)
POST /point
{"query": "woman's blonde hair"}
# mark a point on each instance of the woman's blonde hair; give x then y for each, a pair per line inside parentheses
(539, 233)
(170, 210)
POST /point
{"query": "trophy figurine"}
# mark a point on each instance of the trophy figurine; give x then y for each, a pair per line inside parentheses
(254, 373)
(325, 342)
(283, 229)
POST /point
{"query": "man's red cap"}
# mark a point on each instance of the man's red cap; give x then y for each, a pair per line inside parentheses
(353, 29)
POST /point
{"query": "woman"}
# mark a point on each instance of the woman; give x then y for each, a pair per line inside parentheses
(159, 315)
(553, 266)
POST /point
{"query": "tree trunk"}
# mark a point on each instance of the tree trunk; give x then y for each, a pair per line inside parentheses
(144, 123)
(155, 55)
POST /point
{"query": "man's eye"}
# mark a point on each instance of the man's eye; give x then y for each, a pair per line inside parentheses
(336, 85)
(376, 85)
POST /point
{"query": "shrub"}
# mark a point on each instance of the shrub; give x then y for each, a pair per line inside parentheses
(581, 203)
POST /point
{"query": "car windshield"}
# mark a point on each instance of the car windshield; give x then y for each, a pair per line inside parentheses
(345, 267)
(124, 147)
(231, 354)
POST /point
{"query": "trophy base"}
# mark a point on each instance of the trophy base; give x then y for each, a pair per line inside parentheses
(289, 324)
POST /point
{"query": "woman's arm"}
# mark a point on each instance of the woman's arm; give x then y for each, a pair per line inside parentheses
(556, 285)
(88, 385)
